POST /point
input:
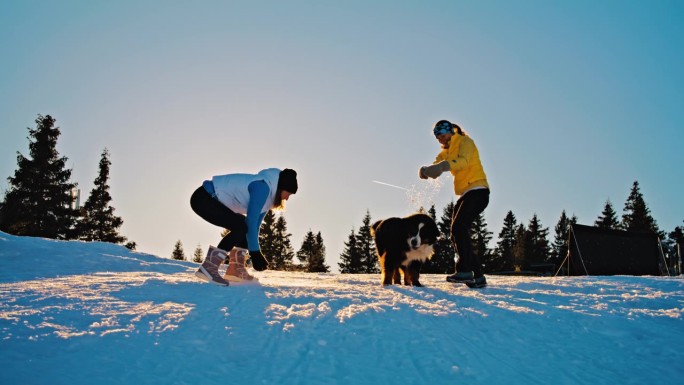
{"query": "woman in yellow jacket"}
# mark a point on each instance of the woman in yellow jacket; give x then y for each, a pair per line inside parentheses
(460, 156)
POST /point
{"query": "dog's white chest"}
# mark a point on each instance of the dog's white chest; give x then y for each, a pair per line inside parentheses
(422, 253)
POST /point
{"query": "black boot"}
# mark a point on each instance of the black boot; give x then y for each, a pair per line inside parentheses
(477, 283)
(461, 277)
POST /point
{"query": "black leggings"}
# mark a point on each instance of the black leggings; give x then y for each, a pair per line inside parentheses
(214, 212)
(467, 208)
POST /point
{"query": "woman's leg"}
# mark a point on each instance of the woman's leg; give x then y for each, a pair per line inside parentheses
(214, 212)
(467, 208)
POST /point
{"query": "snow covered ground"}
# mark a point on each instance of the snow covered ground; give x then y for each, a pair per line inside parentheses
(93, 313)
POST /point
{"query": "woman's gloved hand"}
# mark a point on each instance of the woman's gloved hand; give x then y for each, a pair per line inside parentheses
(433, 171)
(259, 263)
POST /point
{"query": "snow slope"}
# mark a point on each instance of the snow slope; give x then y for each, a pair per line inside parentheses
(93, 313)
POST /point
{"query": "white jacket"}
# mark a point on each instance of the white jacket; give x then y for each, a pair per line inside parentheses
(231, 189)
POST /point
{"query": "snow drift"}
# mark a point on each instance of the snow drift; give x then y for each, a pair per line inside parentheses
(83, 313)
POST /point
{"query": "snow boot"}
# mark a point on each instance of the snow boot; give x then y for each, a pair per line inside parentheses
(236, 271)
(477, 283)
(208, 271)
(463, 277)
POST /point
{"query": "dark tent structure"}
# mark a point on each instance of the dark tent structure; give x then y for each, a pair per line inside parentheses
(678, 264)
(597, 251)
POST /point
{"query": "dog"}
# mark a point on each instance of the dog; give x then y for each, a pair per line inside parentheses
(403, 245)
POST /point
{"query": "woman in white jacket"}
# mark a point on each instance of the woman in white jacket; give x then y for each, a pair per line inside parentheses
(239, 203)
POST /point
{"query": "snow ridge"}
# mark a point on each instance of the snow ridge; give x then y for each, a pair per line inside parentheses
(74, 311)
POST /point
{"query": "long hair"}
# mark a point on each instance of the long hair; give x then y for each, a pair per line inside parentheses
(278, 202)
(458, 129)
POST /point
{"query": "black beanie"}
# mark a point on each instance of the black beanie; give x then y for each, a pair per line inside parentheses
(288, 180)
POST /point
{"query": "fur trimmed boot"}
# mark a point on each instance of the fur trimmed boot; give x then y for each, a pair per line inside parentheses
(236, 271)
(208, 271)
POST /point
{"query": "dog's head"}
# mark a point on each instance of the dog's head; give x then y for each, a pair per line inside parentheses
(422, 230)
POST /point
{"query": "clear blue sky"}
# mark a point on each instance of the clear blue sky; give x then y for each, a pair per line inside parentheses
(569, 103)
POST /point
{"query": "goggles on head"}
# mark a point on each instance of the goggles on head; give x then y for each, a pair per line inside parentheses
(443, 127)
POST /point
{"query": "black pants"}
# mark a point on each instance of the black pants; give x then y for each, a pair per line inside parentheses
(214, 212)
(467, 208)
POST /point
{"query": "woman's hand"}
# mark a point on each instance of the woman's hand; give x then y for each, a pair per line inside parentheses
(433, 171)
(258, 261)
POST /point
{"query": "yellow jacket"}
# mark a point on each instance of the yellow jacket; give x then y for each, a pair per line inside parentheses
(464, 164)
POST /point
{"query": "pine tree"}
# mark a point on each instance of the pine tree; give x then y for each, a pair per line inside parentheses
(505, 247)
(675, 245)
(267, 238)
(636, 214)
(366, 245)
(312, 253)
(178, 252)
(197, 256)
(98, 222)
(281, 259)
(39, 201)
(608, 218)
(539, 242)
(432, 213)
(480, 236)
(307, 250)
(677, 235)
(559, 248)
(350, 259)
(442, 262)
(317, 260)
(521, 245)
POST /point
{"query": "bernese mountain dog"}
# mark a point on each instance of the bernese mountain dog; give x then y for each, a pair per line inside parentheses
(403, 245)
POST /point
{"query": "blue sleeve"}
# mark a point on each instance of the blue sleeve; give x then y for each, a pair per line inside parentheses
(258, 193)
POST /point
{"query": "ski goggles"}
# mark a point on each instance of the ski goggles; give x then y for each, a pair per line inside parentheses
(443, 127)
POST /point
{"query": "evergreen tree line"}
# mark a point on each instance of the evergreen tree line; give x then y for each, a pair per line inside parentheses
(40, 202)
(519, 245)
(41, 199)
